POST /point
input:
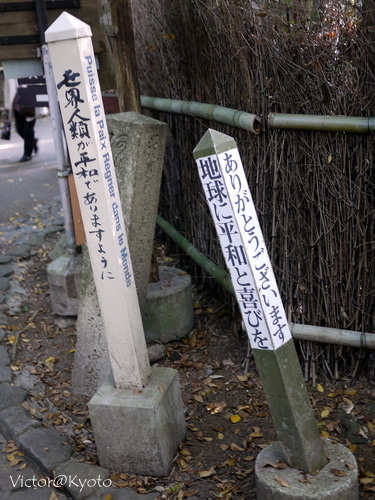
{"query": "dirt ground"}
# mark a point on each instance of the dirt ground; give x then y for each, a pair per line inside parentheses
(226, 412)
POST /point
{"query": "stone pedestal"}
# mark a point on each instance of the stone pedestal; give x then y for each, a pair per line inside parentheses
(139, 432)
(169, 313)
(64, 278)
(290, 484)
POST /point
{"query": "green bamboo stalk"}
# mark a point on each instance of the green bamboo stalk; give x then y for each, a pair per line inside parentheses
(321, 122)
(251, 122)
(221, 276)
(239, 119)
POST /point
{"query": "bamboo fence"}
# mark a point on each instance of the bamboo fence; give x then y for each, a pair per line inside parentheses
(314, 191)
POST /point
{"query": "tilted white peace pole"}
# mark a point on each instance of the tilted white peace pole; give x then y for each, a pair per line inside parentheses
(232, 209)
(79, 95)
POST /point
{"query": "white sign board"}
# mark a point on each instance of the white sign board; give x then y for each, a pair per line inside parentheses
(232, 209)
(79, 95)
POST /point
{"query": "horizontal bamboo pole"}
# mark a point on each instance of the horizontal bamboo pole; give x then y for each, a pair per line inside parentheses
(333, 336)
(303, 332)
(239, 119)
(321, 122)
(250, 122)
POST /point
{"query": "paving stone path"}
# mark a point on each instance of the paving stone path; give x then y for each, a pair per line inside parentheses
(51, 472)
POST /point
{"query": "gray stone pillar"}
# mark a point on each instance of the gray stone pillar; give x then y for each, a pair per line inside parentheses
(138, 144)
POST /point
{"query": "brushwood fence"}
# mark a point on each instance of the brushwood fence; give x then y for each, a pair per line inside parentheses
(314, 191)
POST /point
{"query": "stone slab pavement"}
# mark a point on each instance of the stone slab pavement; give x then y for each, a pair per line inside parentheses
(36, 462)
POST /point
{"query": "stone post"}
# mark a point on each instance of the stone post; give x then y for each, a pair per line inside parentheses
(138, 144)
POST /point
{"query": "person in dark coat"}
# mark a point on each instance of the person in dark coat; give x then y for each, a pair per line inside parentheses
(25, 119)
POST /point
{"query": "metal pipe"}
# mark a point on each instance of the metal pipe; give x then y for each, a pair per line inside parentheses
(302, 332)
(239, 119)
(62, 164)
(321, 122)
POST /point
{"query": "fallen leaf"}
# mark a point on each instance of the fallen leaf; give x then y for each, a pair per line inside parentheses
(281, 481)
(235, 447)
(366, 480)
(207, 473)
(319, 388)
(353, 447)
(338, 473)
(350, 391)
(256, 435)
(276, 465)
(325, 413)
(235, 418)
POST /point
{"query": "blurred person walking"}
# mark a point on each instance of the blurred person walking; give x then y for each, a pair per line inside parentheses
(25, 119)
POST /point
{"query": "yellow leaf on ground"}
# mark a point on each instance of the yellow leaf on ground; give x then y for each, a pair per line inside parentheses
(235, 447)
(235, 418)
(366, 480)
(326, 412)
(207, 473)
(319, 388)
(281, 481)
(256, 435)
(353, 448)
(350, 391)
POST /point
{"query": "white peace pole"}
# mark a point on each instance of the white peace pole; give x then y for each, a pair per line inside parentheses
(79, 95)
(232, 209)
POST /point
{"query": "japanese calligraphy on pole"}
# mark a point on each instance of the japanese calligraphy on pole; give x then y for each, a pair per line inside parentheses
(81, 105)
(232, 209)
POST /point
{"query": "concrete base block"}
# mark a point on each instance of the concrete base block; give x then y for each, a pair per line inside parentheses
(64, 277)
(169, 314)
(284, 484)
(139, 433)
